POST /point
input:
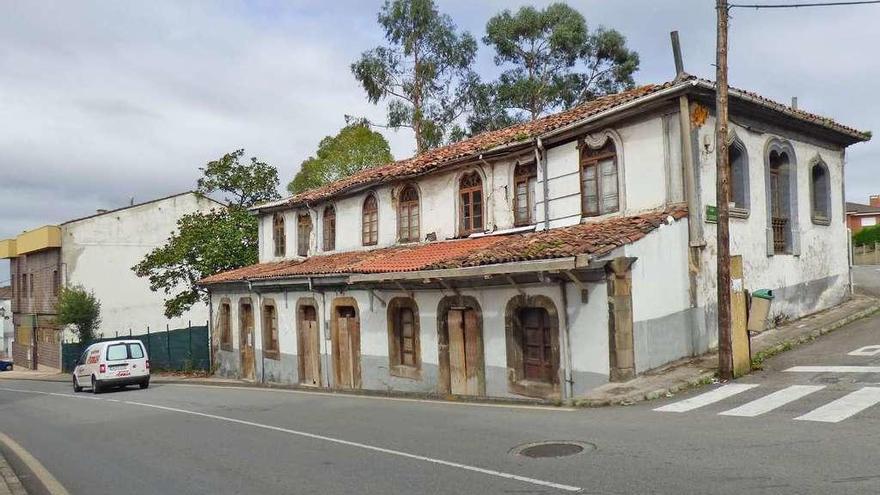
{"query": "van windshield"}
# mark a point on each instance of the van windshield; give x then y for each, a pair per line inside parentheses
(119, 352)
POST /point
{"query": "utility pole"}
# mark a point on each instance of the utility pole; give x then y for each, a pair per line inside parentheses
(722, 195)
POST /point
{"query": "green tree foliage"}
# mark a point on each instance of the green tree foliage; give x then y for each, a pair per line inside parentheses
(206, 243)
(867, 236)
(424, 70)
(551, 61)
(80, 308)
(353, 149)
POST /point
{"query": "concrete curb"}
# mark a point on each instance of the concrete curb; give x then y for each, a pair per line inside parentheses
(35, 478)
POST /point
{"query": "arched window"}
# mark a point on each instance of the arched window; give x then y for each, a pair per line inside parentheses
(278, 234)
(303, 234)
(820, 193)
(525, 176)
(738, 162)
(470, 193)
(782, 201)
(370, 221)
(329, 228)
(599, 192)
(403, 338)
(408, 215)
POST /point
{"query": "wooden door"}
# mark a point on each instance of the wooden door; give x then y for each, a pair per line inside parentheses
(465, 352)
(537, 345)
(346, 346)
(247, 341)
(310, 350)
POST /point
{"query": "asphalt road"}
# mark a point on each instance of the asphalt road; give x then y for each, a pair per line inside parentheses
(194, 439)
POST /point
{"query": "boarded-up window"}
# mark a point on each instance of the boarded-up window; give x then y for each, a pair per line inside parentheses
(329, 228)
(471, 203)
(524, 179)
(270, 330)
(820, 188)
(408, 215)
(403, 337)
(225, 326)
(536, 345)
(532, 335)
(278, 235)
(738, 164)
(303, 234)
(370, 221)
(599, 182)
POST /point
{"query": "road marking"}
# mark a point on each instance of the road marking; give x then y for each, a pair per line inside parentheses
(844, 407)
(701, 400)
(834, 369)
(772, 401)
(868, 350)
(364, 446)
(49, 482)
(375, 397)
(339, 441)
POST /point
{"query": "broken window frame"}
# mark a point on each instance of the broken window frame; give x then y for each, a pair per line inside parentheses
(278, 235)
(329, 229)
(408, 215)
(595, 160)
(472, 203)
(370, 221)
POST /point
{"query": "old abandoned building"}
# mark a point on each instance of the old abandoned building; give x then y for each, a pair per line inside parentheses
(541, 260)
(96, 252)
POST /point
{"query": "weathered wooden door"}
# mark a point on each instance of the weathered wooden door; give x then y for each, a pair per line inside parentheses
(346, 347)
(465, 352)
(247, 341)
(537, 345)
(310, 351)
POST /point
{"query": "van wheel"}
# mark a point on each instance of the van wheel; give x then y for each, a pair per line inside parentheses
(96, 389)
(144, 384)
(76, 387)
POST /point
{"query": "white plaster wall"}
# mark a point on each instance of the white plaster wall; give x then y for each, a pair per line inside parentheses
(660, 283)
(99, 252)
(823, 248)
(6, 326)
(588, 325)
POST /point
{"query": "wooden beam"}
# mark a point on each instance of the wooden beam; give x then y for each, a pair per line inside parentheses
(512, 282)
(585, 294)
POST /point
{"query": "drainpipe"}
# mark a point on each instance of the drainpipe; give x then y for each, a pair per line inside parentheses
(490, 207)
(541, 156)
(565, 348)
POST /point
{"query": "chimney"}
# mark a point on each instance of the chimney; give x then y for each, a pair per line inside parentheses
(794, 102)
(676, 54)
(100, 211)
(874, 200)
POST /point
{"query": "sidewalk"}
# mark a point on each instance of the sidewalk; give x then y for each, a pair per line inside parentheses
(701, 370)
(9, 482)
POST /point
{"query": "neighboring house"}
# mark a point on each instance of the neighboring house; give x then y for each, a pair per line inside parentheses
(541, 260)
(98, 253)
(859, 215)
(6, 321)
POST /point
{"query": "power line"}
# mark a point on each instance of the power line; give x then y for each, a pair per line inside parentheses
(799, 5)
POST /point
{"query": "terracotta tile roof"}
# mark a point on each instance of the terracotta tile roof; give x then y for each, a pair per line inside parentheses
(593, 238)
(524, 133)
(481, 143)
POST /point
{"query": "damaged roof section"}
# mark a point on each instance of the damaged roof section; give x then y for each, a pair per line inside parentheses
(593, 238)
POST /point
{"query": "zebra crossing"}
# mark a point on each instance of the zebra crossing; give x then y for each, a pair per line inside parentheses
(837, 410)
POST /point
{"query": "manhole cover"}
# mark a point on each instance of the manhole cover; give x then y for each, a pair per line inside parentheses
(545, 450)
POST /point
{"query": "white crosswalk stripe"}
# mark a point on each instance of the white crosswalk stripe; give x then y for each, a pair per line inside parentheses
(844, 407)
(701, 400)
(770, 402)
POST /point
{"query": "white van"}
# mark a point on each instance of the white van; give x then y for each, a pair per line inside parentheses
(115, 363)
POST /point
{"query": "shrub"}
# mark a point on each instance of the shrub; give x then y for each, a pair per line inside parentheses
(867, 236)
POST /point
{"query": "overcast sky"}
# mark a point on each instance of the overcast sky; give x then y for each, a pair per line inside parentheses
(108, 100)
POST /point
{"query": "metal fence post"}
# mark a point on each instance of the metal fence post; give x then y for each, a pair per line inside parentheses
(149, 349)
(168, 343)
(190, 332)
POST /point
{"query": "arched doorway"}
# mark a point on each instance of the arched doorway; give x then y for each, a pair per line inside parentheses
(460, 337)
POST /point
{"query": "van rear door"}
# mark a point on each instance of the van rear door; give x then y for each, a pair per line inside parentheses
(125, 359)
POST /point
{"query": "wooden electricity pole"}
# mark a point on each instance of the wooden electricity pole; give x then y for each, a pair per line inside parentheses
(722, 195)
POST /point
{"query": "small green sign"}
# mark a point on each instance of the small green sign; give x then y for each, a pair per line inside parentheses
(711, 214)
